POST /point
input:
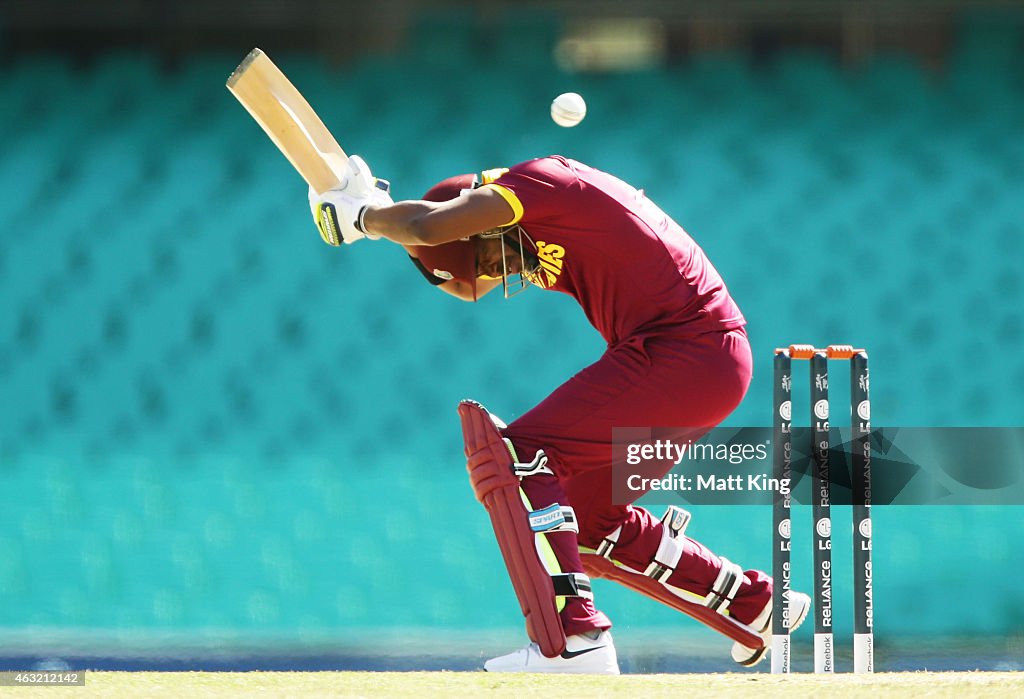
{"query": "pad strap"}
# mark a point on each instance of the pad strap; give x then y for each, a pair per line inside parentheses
(572, 585)
(727, 584)
(676, 519)
(670, 550)
(524, 469)
(554, 518)
(604, 549)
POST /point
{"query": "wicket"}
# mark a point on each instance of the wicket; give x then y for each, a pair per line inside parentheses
(860, 416)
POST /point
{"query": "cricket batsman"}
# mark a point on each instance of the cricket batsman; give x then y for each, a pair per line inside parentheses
(677, 355)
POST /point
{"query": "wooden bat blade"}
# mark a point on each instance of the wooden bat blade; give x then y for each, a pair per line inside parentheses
(289, 121)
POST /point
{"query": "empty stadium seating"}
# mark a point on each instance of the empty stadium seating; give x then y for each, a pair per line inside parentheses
(211, 420)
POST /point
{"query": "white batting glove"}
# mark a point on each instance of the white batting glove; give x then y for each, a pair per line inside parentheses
(338, 213)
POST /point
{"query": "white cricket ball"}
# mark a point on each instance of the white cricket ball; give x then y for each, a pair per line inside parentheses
(568, 109)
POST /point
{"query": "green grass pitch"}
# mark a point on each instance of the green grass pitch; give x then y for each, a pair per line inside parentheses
(426, 685)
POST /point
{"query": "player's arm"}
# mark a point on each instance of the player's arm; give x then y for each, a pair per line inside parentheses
(435, 223)
(458, 289)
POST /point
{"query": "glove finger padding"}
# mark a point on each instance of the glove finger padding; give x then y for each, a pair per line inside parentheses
(335, 216)
(328, 225)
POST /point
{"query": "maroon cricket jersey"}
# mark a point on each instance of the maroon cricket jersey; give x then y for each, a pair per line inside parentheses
(632, 268)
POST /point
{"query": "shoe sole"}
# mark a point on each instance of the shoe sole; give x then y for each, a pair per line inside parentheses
(595, 660)
(555, 670)
(794, 624)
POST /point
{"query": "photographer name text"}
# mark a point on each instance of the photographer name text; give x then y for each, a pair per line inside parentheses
(756, 483)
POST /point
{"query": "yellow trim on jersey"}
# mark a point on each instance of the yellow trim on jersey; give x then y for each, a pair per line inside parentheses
(509, 196)
(488, 176)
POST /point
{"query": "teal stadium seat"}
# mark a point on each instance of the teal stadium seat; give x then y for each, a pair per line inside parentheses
(443, 41)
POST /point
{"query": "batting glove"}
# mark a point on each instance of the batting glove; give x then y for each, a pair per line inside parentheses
(338, 213)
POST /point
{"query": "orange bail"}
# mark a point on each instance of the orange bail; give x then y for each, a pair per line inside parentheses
(843, 351)
(802, 351)
(832, 352)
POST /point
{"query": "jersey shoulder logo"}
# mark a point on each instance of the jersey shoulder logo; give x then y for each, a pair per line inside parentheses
(551, 260)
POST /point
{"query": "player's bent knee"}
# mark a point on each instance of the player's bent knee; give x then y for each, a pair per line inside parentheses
(595, 528)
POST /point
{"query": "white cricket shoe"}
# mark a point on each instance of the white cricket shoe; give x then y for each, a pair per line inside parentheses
(799, 605)
(584, 654)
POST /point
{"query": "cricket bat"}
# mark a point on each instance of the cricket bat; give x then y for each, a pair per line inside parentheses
(289, 121)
